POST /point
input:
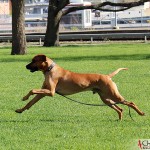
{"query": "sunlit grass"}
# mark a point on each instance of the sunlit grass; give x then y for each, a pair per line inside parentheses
(58, 124)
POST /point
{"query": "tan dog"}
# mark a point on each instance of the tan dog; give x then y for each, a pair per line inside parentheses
(66, 82)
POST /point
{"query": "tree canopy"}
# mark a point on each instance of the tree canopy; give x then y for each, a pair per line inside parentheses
(55, 12)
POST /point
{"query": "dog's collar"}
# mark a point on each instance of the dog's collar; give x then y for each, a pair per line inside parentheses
(51, 66)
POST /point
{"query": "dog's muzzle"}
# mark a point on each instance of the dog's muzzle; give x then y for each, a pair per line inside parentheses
(32, 69)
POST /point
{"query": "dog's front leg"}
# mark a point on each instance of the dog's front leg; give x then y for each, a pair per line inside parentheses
(32, 102)
(50, 91)
(31, 93)
(40, 94)
(46, 92)
(27, 96)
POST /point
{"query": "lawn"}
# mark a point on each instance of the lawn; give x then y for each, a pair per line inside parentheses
(58, 124)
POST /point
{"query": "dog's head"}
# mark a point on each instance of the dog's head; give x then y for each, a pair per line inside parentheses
(39, 63)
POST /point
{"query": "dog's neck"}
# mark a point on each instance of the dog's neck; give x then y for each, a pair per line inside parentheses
(51, 67)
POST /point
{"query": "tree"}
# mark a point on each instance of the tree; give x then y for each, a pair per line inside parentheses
(55, 13)
(18, 28)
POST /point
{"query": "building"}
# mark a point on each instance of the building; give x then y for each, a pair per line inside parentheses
(38, 11)
(5, 7)
(134, 17)
(36, 14)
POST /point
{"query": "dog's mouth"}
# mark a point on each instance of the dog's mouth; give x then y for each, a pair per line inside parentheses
(32, 69)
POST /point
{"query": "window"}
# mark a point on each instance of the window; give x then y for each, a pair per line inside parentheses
(72, 19)
(87, 16)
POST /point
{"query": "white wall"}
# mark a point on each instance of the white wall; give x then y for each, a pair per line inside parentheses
(76, 1)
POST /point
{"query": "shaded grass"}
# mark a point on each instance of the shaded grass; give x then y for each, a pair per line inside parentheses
(55, 123)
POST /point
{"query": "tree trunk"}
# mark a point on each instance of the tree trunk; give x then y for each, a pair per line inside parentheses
(52, 31)
(18, 28)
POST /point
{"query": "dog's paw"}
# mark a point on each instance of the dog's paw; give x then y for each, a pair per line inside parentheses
(25, 98)
(19, 111)
(142, 114)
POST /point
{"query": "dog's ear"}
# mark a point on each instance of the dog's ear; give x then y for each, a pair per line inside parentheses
(39, 57)
(43, 57)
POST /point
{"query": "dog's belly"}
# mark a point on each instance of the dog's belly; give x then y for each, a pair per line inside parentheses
(67, 90)
(77, 83)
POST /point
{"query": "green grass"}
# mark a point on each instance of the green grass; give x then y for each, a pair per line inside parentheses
(58, 124)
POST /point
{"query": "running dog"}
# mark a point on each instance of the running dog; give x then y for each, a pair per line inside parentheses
(64, 82)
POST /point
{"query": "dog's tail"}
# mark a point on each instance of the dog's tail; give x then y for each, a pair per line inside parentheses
(115, 72)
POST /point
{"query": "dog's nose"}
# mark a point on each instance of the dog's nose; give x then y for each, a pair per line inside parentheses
(28, 66)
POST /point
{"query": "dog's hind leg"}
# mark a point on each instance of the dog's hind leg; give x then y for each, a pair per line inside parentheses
(116, 97)
(118, 109)
(132, 105)
(112, 105)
